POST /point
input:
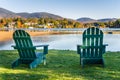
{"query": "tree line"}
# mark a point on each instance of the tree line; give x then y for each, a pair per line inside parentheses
(53, 23)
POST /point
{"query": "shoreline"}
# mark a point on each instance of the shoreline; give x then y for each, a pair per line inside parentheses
(7, 35)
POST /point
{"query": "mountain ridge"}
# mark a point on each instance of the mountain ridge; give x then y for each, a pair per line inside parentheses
(39, 15)
(4, 13)
(90, 20)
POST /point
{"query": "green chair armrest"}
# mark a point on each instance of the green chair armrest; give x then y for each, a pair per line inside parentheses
(41, 45)
(82, 46)
(105, 44)
(45, 50)
(79, 49)
(15, 47)
(104, 48)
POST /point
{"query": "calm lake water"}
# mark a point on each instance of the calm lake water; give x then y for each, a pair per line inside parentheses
(67, 41)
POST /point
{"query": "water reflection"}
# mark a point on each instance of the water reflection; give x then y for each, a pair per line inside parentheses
(6, 45)
(68, 41)
(113, 41)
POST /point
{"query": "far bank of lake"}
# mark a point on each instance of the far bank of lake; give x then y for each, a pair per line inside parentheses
(7, 35)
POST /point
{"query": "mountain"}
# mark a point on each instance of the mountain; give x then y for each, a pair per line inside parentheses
(89, 20)
(86, 20)
(106, 19)
(39, 15)
(7, 14)
(24, 14)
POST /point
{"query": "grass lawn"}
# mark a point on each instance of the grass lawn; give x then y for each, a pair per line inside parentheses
(61, 65)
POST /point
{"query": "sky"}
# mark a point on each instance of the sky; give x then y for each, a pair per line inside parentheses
(74, 9)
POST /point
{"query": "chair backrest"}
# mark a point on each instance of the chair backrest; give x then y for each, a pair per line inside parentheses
(93, 39)
(24, 44)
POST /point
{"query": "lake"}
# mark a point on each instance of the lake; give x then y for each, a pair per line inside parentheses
(67, 41)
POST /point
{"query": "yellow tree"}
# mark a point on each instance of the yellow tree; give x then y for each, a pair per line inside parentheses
(19, 24)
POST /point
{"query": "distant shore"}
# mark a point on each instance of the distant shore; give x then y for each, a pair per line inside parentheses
(7, 35)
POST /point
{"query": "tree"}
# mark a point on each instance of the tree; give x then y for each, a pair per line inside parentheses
(117, 23)
(76, 25)
(109, 24)
(86, 25)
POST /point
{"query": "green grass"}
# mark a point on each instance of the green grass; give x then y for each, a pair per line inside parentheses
(61, 65)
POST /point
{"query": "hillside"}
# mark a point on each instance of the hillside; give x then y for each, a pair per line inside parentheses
(106, 19)
(7, 14)
(39, 15)
(90, 20)
(86, 20)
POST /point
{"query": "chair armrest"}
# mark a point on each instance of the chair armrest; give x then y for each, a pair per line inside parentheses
(105, 44)
(13, 46)
(41, 45)
(34, 46)
(45, 50)
(104, 48)
(82, 46)
(79, 45)
(79, 49)
(23, 48)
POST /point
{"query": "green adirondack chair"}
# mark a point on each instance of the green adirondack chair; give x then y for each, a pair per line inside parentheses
(27, 52)
(92, 50)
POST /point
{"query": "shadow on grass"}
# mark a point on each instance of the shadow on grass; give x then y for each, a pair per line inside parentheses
(23, 76)
(62, 64)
